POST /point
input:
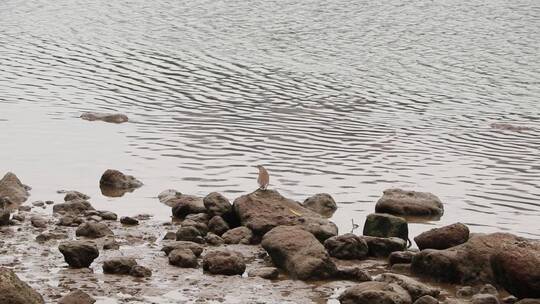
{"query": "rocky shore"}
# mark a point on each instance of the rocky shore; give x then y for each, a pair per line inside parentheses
(260, 248)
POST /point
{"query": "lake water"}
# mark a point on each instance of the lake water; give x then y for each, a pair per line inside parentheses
(344, 97)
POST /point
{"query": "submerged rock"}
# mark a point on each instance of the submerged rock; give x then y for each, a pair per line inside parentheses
(77, 297)
(298, 252)
(375, 293)
(12, 189)
(263, 210)
(411, 203)
(517, 269)
(15, 291)
(106, 117)
(347, 247)
(120, 265)
(116, 179)
(444, 237)
(322, 204)
(93, 230)
(386, 225)
(79, 254)
(224, 262)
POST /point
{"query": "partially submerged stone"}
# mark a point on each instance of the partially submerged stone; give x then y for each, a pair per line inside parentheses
(75, 195)
(120, 265)
(444, 237)
(13, 189)
(375, 293)
(185, 205)
(263, 210)
(79, 254)
(298, 252)
(15, 291)
(415, 289)
(116, 179)
(106, 117)
(73, 207)
(269, 273)
(386, 225)
(322, 204)
(409, 203)
(383, 247)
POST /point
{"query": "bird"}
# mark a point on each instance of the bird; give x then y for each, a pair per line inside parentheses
(264, 178)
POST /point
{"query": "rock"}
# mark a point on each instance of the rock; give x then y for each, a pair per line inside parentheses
(322, 204)
(183, 257)
(108, 215)
(444, 237)
(112, 117)
(263, 210)
(217, 204)
(13, 190)
(95, 218)
(468, 263)
(200, 226)
(415, 289)
(347, 247)
(69, 220)
(38, 203)
(126, 220)
(512, 300)
(110, 244)
(489, 289)
(529, 301)
(401, 257)
(465, 292)
(218, 225)
(238, 235)
(383, 247)
(194, 247)
(168, 195)
(140, 272)
(503, 126)
(74, 207)
(18, 217)
(170, 235)
(411, 203)
(224, 262)
(75, 195)
(298, 252)
(426, 300)
(47, 236)
(401, 268)
(186, 204)
(93, 230)
(79, 254)
(386, 225)
(517, 268)
(484, 299)
(15, 291)
(77, 297)
(201, 218)
(120, 265)
(213, 239)
(38, 222)
(24, 208)
(354, 273)
(269, 273)
(116, 179)
(190, 234)
(375, 293)
(4, 217)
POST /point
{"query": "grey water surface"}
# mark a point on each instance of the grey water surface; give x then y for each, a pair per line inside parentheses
(344, 97)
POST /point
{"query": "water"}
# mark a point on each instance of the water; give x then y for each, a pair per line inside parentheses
(344, 97)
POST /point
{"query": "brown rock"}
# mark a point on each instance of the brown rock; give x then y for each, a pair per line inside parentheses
(15, 291)
(411, 203)
(444, 237)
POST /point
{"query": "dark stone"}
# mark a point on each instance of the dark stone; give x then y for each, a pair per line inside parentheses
(38, 222)
(444, 237)
(200, 226)
(415, 289)
(298, 252)
(269, 273)
(322, 204)
(386, 225)
(121, 265)
(224, 262)
(484, 299)
(383, 247)
(426, 300)
(116, 179)
(347, 247)
(79, 254)
(15, 291)
(111, 244)
(108, 215)
(170, 235)
(140, 272)
(106, 117)
(77, 297)
(93, 230)
(401, 257)
(238, 235)
(375, 293)
(217, 204)
(353, 273)
(194, 247)
(190, 234)
(13, 190)
(183, 257)
(218, 225)
(213, 239)
(4, 217)
(409, 203)
(75, 195)
(185, 205)
(51, 235)
(74, 207)
(126, 220)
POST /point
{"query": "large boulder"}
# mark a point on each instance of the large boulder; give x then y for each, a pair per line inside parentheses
(217, 204)
(347, 247)
(517, 269)
(106, 117)
(121, 265)
(375, 293)
(415, 289)
(79, 254)
(13, 189)
(224, 262)
(443, 238)
(411, 203)
(15, 291)
(386, 225)
(116, 179)
(467, 263)
(238, 235)
(383, 247)
(185, 205)
(263, 210)
(93, 230)
(77, 297)
(298, 252)
(322, 204)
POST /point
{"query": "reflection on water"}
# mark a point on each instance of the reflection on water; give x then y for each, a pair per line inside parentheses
(344, 97)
